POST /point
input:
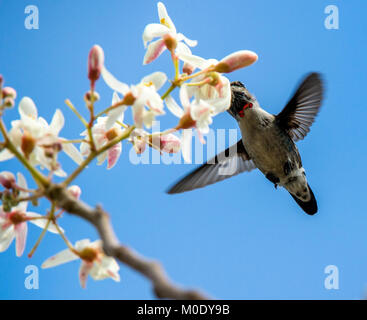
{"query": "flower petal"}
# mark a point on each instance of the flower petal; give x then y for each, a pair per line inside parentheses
(59, 258)
(27, 108)
(164, 17)
(154, 50)
(101, 158)
(114, 115)
(42, 222)
(6, 155)
(83, 273)
(81, 244)
(15, 134)
(174, 107)
(186, 145)
(73, 152)
(153, 100)
(113, 155)
(57, 122)
(154, 30)
(115, 98)
(196, 61)
(191, 43)
(157, 78)
(185, 98)
(183, 49)
(60, 173)
(107, 268)
(20, 231)
(170, 143)
(6, 238)
(113, 83)
(138, 111)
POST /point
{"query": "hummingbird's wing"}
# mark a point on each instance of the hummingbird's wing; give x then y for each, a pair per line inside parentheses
(226, 164)
(300, 112)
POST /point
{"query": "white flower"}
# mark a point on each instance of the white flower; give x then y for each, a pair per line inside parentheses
(197, 113)
(13, 224)
(101, 137)
(165, 30)
(217, 90)
(94, 262)
(141, 95)
(36, 139)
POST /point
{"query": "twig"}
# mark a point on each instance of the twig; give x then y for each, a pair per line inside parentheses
(162, 285)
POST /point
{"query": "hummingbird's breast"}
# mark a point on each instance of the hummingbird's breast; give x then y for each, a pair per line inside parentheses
(271, 149)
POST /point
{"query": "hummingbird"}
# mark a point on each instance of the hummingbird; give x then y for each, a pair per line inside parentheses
(267, 143)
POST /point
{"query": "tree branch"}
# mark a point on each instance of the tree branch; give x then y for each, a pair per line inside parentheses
(162, 285)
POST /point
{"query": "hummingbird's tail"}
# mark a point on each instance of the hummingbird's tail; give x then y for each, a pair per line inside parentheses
(310, 206)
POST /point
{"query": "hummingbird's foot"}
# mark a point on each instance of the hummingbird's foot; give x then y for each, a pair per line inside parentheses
(276, 186)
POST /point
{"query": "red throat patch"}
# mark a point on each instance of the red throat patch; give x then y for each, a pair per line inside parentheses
(242, 112)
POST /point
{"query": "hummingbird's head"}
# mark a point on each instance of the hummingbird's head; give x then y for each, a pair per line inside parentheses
(241, 101)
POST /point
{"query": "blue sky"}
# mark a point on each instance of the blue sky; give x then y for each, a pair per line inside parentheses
(238, 239)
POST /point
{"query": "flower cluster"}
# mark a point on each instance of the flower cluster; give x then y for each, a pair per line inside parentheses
(39, 141)
(204, 92)
(94, 262)
(13, 219)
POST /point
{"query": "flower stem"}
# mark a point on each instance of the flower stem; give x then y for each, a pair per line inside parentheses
(67, 242)
(74, 141)
(168, 131)
(96, 153)
(185, 78)
(176, 65)
(81, 118)
(91, 121)
(30, 198)
(114, 106)
(50, 218)
(169, 90)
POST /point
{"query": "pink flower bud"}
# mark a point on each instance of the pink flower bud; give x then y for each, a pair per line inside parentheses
(9, 102)
(188, 68)
(1, 80)
(95, 64)
(7, 179)
(9, 92)
(88, 96)
(170, 143)
(75, 191)
(236, 60)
